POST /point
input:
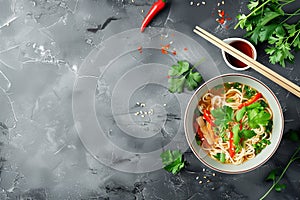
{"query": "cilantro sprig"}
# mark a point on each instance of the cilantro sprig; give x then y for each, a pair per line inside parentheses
(182, 75)
(267, 22)
(172, 160)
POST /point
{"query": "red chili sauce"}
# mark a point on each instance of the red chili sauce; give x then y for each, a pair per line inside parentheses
(243, 47)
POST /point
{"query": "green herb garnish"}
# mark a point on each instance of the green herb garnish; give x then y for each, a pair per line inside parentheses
(181, 76)
(220, 157)
(258, 147)
(172, 161)
(267, 22)
(249, 92)
(258, 117)
(222, 115)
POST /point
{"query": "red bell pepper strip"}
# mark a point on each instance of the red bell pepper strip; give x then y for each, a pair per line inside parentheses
(231, 148)
(207, 117)
(250, 101)
(241, 125)
(155, 8)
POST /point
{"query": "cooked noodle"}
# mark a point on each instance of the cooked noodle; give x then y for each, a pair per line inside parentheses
(217, 139)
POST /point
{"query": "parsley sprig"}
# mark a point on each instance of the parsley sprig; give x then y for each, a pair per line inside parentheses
(267, 22)
(181, 76)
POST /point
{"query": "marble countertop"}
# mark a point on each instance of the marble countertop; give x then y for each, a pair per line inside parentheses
(55, 53)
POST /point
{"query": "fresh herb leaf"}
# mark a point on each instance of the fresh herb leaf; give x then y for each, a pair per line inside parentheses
(256, 105)
(240, 113)
(222, 115)
(263, 103)
(179, 69)
(259, 146)
(172, 161)
(267, 21)
(249, 92)
(235, 131)
(252, 5)
(272, 175)
(247, 134)
(192, 80)
(182, 75)
(280, 187)
(176, 84)
(220, 157)
(269, 127)
(257, 117)
(268, 16)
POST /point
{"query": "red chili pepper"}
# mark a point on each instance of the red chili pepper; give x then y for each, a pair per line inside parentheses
(207, 117)
(231, 148)
(155, 8)
(250, 101)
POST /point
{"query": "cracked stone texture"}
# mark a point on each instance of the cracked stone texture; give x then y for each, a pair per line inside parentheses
(42, 45)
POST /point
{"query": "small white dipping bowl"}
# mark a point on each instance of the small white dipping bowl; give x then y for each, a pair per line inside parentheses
(259, 159)
(231, 40)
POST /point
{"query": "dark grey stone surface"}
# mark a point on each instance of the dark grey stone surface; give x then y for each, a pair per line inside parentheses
(44, 45)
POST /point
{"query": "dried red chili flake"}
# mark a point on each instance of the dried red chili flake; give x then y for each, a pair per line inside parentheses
(168, 77)
(140, 49)
(221, 13)
(221, 21)
(163, 51)
(174, 53)
(185, 49)
(165, 48)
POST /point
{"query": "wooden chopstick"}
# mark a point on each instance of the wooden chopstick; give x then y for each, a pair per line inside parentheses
(275, 77)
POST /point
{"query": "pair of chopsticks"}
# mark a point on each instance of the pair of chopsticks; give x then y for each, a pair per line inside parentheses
(275, 77)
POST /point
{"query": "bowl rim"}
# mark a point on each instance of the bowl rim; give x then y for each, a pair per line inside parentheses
(263, 160)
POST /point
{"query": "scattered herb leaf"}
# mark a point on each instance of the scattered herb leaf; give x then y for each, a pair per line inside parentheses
(272, 175)
(182, 75)
(280, 187)
(172, 161)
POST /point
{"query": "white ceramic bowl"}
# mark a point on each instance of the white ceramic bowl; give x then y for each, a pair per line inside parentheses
(265, 154)
(230, 40)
